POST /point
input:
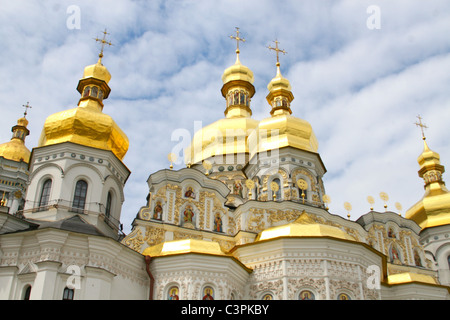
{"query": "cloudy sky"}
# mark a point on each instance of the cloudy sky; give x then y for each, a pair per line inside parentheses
(359, 80)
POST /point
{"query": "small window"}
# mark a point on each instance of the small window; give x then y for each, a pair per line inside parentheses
(68, 294)
(86, 91)
(45, 194)
(108, 205)
(79, 198)
(27, 293)
(94, 92)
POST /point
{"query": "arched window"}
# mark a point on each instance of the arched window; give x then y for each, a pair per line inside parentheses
(67, 294)
(303, 194)
(448, 260)
(94, 92)
(86, 91)
(45, 194)
(27, 293)
(79, 198)
(108, 205)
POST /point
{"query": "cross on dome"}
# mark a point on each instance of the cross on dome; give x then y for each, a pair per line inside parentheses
(421, 125)
(103, 42)
(277, 50)
(237, 38)
(26, 106)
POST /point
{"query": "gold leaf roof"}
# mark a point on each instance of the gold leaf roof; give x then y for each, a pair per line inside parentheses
(303, 226)
(184, 246)
(87, 124)
(434, 208)
(15, 149)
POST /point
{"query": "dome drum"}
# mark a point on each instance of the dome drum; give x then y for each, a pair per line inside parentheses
(86, 89)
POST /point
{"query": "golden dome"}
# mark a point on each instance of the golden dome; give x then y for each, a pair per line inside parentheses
(237, 72)
(228, 135)
(304, 226)
(281, 129)
(184, 246)
(15, 149)
(280, 95)
(87, 124)
(222, 137)
(434, 208)
(97, 71)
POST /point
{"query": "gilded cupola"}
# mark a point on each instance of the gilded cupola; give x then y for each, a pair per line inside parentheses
(282, 129)
(228, 135)
(238, 86)
(15, 149)
(87, 124)
(434, 208)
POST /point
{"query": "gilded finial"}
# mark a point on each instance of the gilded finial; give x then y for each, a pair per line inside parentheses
(277, 50)
(237, 38)
(274, 187)
(207, 165)
(326, 199)
(371, 200)
(250, 185)
(398, 206)
(172, 158)
(422, 126)
(348, 207)
(26, 106)
(3, 200)
(103, 42)
(302, 185)
(385, 198)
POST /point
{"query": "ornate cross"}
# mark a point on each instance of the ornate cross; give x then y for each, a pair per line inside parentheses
(26, 106)
(421, 125)
(237, 38)
(103, 41)
(277, 50)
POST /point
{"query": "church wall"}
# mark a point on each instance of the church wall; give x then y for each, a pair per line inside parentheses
(287, 266)
(193, 273)
(49, 259)
(437, 247)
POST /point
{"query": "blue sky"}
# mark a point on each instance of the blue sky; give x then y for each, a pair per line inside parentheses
(361, 89)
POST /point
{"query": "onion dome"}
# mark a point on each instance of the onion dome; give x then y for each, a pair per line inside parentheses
(280, 95)
(434, 208)
(304, 227)
(15, 149)
(282, 129)
(238, 89)
(228, 135)
(87, 124)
